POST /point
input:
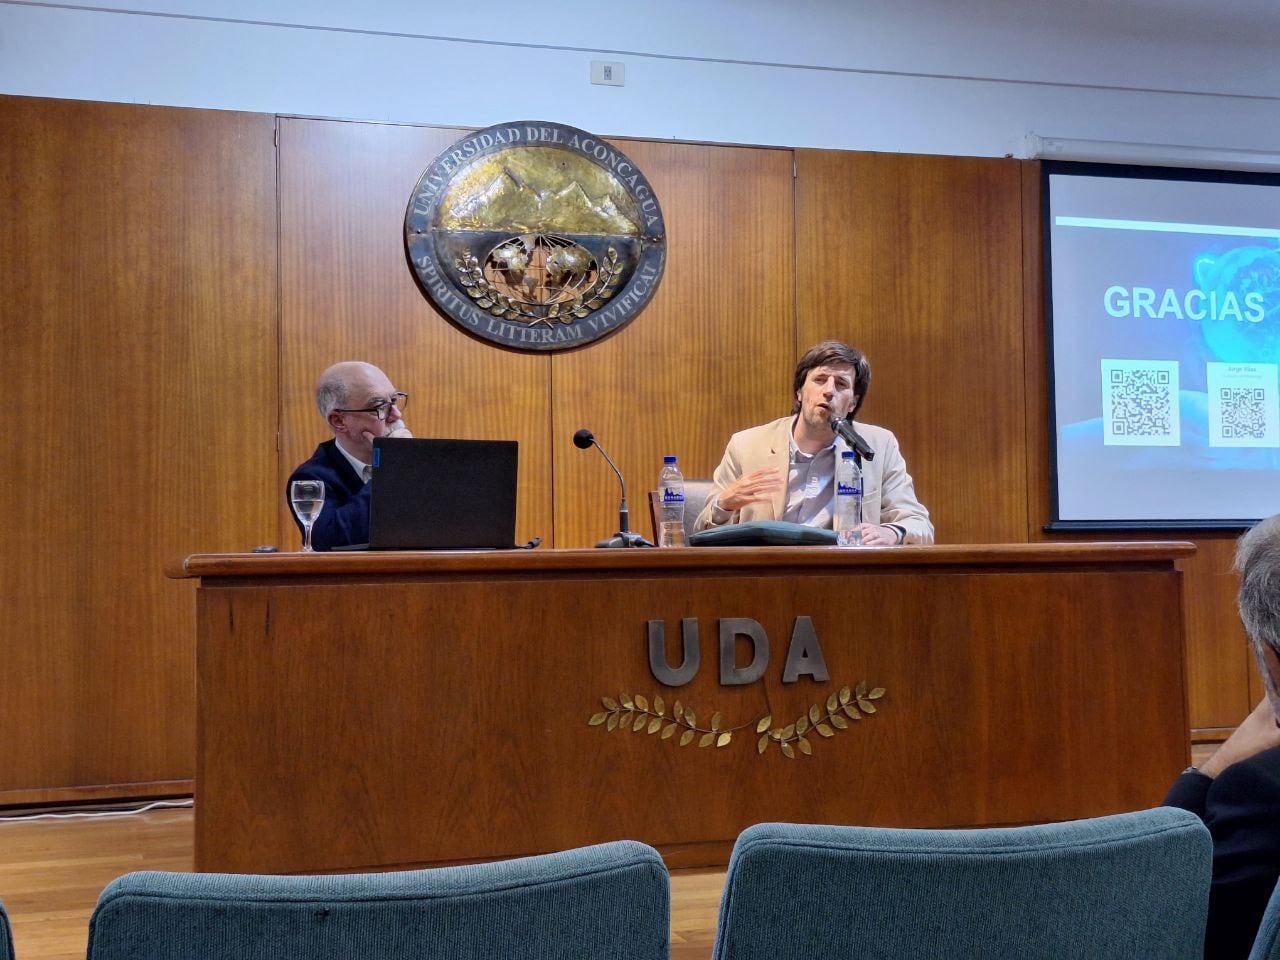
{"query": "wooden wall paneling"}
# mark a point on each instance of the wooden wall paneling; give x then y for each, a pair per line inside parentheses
(711, 354)
(1219, 661)
(1036, 354)
(346, 292)
(918, 261)
(140, 254)
(138, 352)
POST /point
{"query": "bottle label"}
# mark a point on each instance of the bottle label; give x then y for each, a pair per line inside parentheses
(844, 489)
(672, 496)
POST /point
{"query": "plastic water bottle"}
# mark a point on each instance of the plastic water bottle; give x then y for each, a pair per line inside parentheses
(671, 515)
(848, 501)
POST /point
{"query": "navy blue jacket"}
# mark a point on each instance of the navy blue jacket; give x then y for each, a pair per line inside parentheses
(1241, 808)
(345, 517)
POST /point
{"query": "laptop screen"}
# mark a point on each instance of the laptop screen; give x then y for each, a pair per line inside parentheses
(443, 494)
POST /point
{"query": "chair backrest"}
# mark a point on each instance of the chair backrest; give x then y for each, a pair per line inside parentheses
(6, 936)
(608, 901)
(696, 495)
(1266, 946)
(1134, 885)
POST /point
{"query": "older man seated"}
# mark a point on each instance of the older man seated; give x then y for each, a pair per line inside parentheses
(359, 404)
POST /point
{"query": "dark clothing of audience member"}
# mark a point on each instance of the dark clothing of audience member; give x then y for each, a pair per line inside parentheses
(1241, 808)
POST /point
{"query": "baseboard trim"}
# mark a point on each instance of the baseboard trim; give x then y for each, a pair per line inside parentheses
(51, 796)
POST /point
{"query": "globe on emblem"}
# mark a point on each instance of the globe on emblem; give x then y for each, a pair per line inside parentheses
(540, 269)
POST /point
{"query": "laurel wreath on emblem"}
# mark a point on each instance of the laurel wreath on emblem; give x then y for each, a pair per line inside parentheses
(499, 304)
(637, 714)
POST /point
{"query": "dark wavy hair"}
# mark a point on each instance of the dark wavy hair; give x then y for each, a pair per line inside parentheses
(833, 351)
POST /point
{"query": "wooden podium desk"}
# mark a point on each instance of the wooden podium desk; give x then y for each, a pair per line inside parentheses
(368, 711)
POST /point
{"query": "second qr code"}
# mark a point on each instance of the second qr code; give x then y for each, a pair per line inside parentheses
(1244, 407)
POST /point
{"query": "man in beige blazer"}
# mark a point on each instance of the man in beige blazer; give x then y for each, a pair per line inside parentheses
(785, 470)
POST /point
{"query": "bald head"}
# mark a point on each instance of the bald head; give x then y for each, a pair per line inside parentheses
(344, 380)
(359, 403)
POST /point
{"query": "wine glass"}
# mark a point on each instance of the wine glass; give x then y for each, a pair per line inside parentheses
(307, 498)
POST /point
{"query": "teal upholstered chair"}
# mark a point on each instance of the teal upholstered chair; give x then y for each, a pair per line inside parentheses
(1267, 944)
(1129, 886)
(610, 901)
(6, 936)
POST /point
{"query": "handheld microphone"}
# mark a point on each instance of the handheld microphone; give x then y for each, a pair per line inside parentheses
(583, 439)
(845, 430)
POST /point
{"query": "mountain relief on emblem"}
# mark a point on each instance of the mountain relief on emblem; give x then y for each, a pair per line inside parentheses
(537, 190)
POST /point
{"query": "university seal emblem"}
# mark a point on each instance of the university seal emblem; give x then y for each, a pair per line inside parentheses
(536, 236)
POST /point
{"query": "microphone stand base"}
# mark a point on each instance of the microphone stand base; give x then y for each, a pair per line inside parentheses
(627, 539)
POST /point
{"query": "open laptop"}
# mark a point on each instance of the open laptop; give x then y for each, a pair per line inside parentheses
(443, 494)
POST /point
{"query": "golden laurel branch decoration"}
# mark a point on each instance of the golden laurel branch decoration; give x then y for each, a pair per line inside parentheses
(610, 276)
(851, 704)
(638, 714)
(487, 298)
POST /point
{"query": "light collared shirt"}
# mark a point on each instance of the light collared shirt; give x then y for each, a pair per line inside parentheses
(811, 486)
(361, 468)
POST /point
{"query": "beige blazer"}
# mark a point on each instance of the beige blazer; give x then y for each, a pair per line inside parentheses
(888, 495)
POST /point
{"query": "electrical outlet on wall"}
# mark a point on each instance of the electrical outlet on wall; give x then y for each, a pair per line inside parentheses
(608, 72)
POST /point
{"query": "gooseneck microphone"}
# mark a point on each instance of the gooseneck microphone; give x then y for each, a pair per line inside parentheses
(845, 430)
(624, 537)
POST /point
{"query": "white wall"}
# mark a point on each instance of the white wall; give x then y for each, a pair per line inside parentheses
(965, 77)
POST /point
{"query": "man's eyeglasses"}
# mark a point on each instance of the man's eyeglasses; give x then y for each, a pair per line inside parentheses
(383, 407)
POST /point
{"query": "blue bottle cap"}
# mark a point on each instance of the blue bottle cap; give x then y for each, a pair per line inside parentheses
(668, 459)
(847, 455)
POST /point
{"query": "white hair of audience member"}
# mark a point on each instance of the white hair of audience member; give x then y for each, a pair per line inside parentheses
(1258, 563)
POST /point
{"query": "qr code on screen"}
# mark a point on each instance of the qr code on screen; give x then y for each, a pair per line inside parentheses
(1244, 412)
(1141, 403)
(1244, 404)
